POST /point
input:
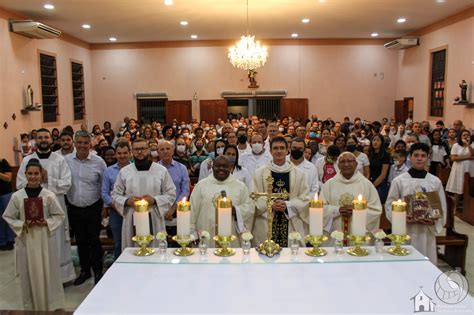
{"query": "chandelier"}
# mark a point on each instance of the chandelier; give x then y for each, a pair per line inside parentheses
(248, 54)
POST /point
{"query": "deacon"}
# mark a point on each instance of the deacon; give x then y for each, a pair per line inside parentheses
(339, 192)
(204, 201)
(56, 177)
(146, 180)
(417, 179)
(288, 215)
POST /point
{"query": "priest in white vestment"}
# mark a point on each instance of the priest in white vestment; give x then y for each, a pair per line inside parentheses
(36, 247)
(204, 201)
(143, 180)
(290, 215)
(339, 192)
(417, 179)
(57, 178)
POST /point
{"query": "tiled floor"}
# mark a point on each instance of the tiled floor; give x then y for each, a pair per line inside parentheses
(10, 286)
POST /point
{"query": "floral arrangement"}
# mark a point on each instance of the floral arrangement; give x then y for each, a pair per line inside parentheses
(161, 236)
(379, 234)
(294, 236)
(247, 236)
(337, 235)
(204, 235)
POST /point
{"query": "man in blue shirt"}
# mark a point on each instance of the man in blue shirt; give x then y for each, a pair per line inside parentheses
(122, 153)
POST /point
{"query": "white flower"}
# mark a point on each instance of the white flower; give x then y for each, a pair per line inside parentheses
(161, 236)
(205, 234)
(338, 236)
(294, 236)
(380, 234)
(247, 236)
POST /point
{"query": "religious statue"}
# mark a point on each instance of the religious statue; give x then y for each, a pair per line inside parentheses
(29, 97)
(463, 87)
(252, 75)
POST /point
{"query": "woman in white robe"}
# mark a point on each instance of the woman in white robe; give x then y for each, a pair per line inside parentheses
(37, 253)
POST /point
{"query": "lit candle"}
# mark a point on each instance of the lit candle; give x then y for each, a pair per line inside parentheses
(359, 216)
(141, 218)
(183, 216)
(316, 216)
(399, 217)
(224, 216)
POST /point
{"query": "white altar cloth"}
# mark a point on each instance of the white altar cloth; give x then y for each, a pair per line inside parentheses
(334, 284)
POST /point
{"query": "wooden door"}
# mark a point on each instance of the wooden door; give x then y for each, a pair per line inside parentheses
(294, 107)
(179, 110)
(400, 111)
(211, 110)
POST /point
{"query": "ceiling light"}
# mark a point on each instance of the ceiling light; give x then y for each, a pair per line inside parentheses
(305, 20)
(401, 20)
(184, 23)
(169, 2)
(194, 36)
(322, 1)
(294, 35)
(48, 6)
(374, 34)
(113, 39)
(86, 26)
(441, 1)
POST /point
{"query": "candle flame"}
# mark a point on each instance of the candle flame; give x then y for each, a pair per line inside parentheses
(360, 197)
(184, 199)
(224, 199)
(399, 201)
(316, 196)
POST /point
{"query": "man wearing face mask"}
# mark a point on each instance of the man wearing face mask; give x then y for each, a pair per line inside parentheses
(296, 157)
(57, 178)
(258, 157)
(242, 144)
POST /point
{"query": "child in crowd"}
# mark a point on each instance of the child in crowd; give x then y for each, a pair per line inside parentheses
(399, 166)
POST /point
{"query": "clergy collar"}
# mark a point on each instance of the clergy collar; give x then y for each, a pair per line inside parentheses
(143, 165)
(417, 173)
(43, 155)
(33, 192)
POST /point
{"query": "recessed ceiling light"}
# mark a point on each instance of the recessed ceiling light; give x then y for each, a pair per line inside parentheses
(184, 23)
(322, 1)
(48, 6)
(294, 35)
(441, 1)
(113, 39)
(194, 36)
(305, 20)
(169, 2)
(374, 34)
(401, 20)
(86, 26)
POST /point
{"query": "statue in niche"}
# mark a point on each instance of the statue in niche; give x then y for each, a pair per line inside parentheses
(252, 79)
(463, 85)
(29, 97)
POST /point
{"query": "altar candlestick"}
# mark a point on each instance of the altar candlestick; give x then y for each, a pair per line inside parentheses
(224, 216)
(316, 216)
(359, 216)
(141, 218)
(399, 217)
(183, 217)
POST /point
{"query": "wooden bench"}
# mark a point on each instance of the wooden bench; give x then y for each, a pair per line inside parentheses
(467, 214)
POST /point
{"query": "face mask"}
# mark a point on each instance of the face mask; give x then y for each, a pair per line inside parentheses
(281, 129)
(206, 129)
(154, 153)
(242, 139)
(186, 135)
(257, 148)
(212, 155)
(362, 136)
(296, 154)
(219, 151)
(235, 129)
(181, 148)
(351, 147)
(240, 124)
(232, 159)
(312, 135)
(183, 126)
(199, 147)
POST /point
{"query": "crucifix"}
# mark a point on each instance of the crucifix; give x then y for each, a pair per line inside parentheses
(269, 247)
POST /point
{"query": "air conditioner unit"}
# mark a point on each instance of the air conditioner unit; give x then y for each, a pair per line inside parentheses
(32, 29)
(402, 43)
(154, 95)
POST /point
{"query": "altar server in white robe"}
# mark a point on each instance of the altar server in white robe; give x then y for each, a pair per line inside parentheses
(36, 249)
(56, 178)
(204, 201)
(290, 215)
(258, 157)
(339, 192)
(143, 180)
(417, 179)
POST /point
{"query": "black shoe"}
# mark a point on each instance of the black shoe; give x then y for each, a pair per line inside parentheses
(6, 247)
(82, 278)
(97, 276)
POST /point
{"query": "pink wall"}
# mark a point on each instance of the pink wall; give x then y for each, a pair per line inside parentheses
(337, 80)
(19, 66)
(414, 71)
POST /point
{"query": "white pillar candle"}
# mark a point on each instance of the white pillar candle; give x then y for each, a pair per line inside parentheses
(224, 217)
(183, 217)
(142, 223)
(316, 216)
(359, 217)
(399, 218)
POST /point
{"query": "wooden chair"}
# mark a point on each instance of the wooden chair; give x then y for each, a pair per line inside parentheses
(443, 174)
(455, 243)
(14, 174)
(467, 214)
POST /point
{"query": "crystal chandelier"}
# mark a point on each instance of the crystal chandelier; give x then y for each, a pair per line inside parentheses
(248, 54)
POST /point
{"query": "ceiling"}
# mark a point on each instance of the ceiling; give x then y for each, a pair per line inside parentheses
(152, 20)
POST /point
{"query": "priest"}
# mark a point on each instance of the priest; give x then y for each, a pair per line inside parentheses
(143, 180)
(204, 201)
(339, 192)
(288, 215)
(417, 179)
(57, 179)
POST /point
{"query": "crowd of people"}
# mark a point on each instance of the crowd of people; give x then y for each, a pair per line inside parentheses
(88, 175)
